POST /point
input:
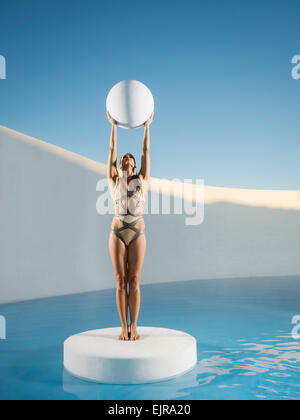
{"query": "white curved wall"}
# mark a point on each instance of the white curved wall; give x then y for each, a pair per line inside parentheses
(53, 241)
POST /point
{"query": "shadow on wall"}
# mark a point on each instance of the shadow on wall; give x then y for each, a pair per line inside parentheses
(53, 241)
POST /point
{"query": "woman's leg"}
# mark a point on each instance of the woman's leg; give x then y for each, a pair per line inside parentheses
(118, 255)
(135, 258)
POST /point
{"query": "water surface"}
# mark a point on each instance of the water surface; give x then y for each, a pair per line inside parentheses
(242, 326)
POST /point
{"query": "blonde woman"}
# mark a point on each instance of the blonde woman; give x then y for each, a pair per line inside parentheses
(127, 240)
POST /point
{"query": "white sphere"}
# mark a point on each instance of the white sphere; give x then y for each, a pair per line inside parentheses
(130, 103)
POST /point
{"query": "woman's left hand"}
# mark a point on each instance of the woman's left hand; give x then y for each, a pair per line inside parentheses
(149, 121)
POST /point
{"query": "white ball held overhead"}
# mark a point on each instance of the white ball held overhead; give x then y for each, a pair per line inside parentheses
(130, 103)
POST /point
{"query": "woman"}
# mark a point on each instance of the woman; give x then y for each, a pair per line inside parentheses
(127, 241)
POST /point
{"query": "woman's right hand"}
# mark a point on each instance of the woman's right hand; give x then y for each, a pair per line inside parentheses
(110, 119)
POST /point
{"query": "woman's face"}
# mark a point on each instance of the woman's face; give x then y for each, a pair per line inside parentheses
(126, 161)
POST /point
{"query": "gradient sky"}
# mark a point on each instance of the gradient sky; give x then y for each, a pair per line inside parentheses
(226, 107)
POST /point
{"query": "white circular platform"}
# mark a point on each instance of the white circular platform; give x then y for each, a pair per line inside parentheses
(130, 103)
(159, 354)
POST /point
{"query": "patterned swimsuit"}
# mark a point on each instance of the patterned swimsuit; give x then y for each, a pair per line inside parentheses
(128, 232)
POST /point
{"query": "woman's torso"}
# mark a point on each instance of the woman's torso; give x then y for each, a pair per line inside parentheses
(128, 197)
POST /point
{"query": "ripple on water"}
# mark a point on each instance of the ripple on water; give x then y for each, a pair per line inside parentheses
(274, 357)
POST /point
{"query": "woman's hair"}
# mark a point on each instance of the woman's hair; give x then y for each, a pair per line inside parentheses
(131, 157)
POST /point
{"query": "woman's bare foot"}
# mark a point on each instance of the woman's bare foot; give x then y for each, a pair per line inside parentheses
(124, 334)
(134, 334)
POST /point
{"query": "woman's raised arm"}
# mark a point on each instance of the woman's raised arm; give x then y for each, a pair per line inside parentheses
(112, 171)
(145, 163)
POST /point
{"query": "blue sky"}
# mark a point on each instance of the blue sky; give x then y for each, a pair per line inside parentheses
(226, 107)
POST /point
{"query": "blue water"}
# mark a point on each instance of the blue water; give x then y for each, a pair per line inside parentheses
(242, 326)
